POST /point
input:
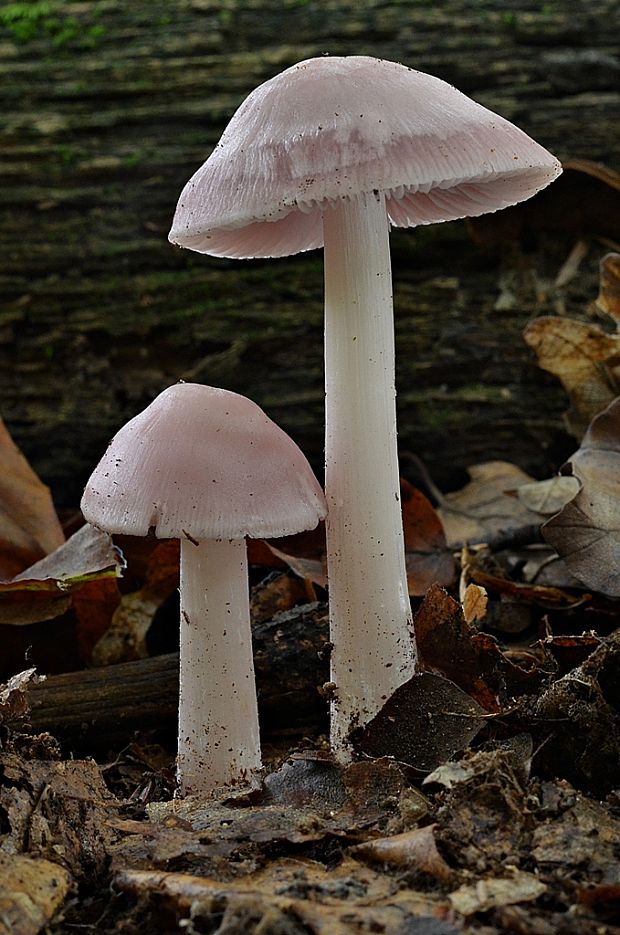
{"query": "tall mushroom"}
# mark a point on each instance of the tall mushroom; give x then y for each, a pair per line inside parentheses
(208, 466)
(332, 152)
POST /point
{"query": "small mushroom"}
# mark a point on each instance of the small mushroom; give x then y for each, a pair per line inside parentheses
(208, 466)
(333, 151)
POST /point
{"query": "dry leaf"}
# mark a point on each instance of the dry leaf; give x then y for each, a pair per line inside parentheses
(475, 600)
(548, 496)
(411, 850)
(428, 559)
(122, 636)
(32, 892)
(29, 527)
(566, 843)
(423, 723)
(44, 590)
(585, 358)
(483, 510)
(471, 659)
(272, 902)
(586, 532)
(490, 893)
(304, 554)
(609, 290)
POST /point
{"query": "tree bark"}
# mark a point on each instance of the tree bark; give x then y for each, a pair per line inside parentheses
(108, 110)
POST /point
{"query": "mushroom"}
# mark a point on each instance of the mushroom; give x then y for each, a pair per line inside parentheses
(208, 466)
(332, 152)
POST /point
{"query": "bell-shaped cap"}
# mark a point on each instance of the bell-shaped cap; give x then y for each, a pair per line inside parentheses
(333, 127)
(203, 463)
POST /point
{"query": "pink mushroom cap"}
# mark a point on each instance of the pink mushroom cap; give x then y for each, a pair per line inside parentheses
(204, 463)
(333, 127)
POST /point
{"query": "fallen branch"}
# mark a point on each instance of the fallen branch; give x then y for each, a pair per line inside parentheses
(290, 662)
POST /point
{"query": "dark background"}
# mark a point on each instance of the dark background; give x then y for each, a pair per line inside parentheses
(109, 107)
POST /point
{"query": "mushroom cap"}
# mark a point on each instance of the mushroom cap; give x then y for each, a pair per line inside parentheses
(204, 463)
(333, 127)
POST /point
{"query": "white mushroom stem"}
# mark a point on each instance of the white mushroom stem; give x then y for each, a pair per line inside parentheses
(218, 720)
(370, 614)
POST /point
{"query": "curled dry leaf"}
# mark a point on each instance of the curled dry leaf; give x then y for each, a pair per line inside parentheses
(609, 291)
(303, 553)
(544, 595)
(472, 659)
(411, 850)
(29, 527)
(484, 510)
(586, 532)
(13, 701)
(46, 589)
(585, 358)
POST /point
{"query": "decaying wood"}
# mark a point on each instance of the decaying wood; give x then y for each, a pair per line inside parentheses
(109, 108)
(290, 663)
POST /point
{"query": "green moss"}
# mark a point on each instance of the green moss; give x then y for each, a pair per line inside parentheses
(43, 19)
(27, 21)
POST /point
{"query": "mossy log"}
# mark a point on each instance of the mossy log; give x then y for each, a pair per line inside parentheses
(108, 109)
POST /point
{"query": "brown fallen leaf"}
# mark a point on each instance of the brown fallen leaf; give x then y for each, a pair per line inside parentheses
(605, 899)
(44, 590)
(250, 904)
(474, 603)
(577, 717)
(425, 722)
(304, 554)
(13, 700)
(492, 892)
(428, 559)
(571, 651)
(32, 892)
(548, 496)
(585, 358)
(53, 807)
(609, 289)
(566, 843)
(29, 527)
(411, 850)
(544, 595)
(278, 593)
(586, 532)
(470, 658)
(484, 510)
